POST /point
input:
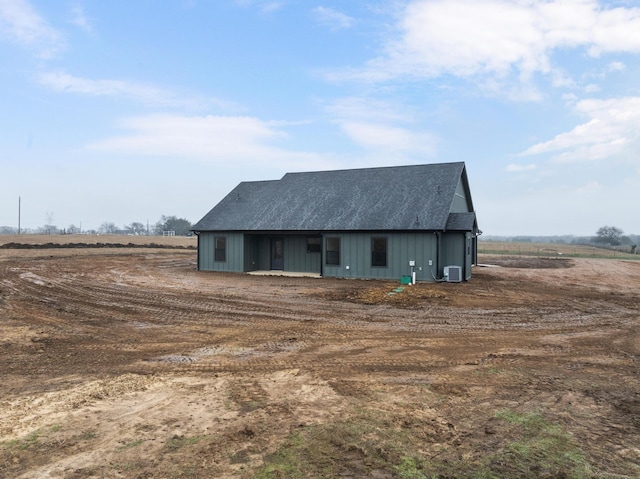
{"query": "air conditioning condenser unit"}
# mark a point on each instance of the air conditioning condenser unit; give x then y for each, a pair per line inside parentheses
(452, 274)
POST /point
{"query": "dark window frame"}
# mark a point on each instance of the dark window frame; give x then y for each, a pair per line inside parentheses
(220, 254)
(332, 256)
(379, 256)
(315, 246)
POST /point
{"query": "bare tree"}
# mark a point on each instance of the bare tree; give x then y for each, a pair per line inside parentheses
(180, 226)
(609, 235)
(135, 228)
(107, 228)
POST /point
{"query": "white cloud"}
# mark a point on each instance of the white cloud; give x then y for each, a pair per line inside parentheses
(225, 139)
(265, 6)
(590, 187)
(79, 18)
(498, 39)
(65, 83)
(22, 24)
(616, 67)
(382, 127)
(269, 7)
(332, 18)
(365, 108)
(517, 168)
(615, 30)
(561, 79)
(148, 94)
(387, 138)
(612, 129)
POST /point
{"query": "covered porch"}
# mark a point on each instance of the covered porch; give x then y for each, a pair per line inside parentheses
(279, 253)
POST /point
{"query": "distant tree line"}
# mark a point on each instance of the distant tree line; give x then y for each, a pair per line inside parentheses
(178, 227)
(606, 237)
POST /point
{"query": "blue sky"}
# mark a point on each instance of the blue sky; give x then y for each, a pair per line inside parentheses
(123, 111)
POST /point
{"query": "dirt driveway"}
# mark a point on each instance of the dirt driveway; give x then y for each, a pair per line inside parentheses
(129, 363)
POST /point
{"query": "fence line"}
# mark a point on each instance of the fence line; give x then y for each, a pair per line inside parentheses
(548, 250)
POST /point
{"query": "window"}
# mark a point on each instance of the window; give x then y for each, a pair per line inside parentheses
(379, 251)
(314, 244)
(333, 251)
(220, 252)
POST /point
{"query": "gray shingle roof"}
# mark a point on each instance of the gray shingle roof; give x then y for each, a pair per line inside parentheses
(417, 197)
(461, 222)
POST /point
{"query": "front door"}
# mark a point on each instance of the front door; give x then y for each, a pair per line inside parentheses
(277, 253)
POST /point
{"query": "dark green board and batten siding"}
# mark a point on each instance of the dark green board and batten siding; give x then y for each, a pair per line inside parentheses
(251, 252)
(460, 202)
(355, 255)
(234, 252)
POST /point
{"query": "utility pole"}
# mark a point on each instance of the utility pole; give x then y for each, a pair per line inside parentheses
(49, 225)
(19, 215)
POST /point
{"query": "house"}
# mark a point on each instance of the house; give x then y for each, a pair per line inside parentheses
(361, 223)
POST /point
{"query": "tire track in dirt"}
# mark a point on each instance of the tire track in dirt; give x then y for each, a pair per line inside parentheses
(97, 298)
(111, 307)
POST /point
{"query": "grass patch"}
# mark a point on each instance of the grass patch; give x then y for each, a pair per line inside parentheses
(411, 468)
(356, 447)
(32, 439)
(285, 462)
(540, 449)
(88, 436)
(178, 442)
(129, 445)
(553, 250)
(372, 443)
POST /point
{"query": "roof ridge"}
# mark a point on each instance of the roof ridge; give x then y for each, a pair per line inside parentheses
(371, 168)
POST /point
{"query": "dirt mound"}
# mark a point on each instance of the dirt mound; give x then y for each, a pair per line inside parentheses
(49, 245)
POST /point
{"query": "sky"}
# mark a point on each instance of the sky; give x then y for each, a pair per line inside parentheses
(123, 111)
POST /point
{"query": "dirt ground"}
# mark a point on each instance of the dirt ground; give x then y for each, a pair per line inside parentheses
(130, 363)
